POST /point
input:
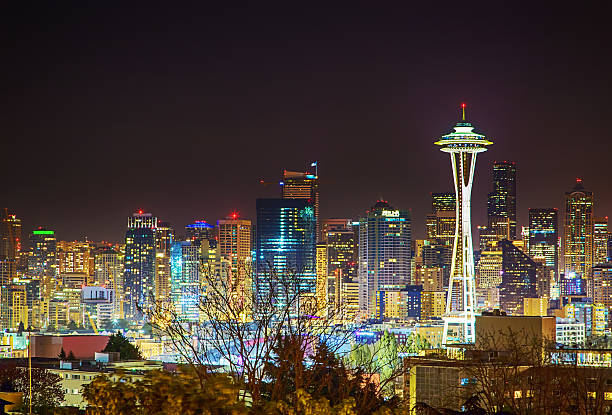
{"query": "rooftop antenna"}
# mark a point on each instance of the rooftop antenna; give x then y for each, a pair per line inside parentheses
(463, 110)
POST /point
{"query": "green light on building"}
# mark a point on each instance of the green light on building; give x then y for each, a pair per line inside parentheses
(43, 232)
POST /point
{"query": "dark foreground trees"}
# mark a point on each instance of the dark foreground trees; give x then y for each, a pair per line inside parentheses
(120, 344)
(181, 394)
(47, 392)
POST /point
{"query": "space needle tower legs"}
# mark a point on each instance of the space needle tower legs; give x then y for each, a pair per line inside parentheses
(463, 144)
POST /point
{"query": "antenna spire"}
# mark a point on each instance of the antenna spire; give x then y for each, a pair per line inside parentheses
(463, 111)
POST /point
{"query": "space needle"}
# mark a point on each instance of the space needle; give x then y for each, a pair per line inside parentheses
(463, 145)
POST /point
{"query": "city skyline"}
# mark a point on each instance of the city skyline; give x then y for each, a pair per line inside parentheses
(183, 94)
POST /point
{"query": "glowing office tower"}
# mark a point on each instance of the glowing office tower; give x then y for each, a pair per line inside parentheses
(139, 263)
(74, 257)
(303, 185)
(185, 272)
(543, 237)
(463, 145)
(578, 235)
(385, 254)
(501, 203)
(600, 240)
(234, 236)
(10, 236)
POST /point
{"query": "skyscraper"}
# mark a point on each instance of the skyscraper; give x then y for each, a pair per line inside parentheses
(600, 240)
(463, 145)
(74, 256)
(164, 237)
(519, 278)
(342, 252)
(543, 237)
(235, 246)
(42, 261)
(286, 248)
(199, 230)
(385, 245)
(341, 245)
(10, 236)
(501, 204)
(139, 267)
(109, 272)
(302, 185)
(578, 231)
(602, 282)
(185, 277)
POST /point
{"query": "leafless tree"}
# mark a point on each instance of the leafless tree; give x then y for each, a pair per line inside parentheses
(239, 329)
(522, 373)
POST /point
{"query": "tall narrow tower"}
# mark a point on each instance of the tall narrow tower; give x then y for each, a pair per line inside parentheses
(463, 145)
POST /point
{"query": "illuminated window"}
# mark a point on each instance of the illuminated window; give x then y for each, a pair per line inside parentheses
(518, 394)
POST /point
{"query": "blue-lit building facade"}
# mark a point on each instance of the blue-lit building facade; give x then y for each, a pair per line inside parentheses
(285, 248)
(139, 268)
(185, 279)
(199, 230)
(384, 254)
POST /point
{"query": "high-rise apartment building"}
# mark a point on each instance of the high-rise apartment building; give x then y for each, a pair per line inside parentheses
(522, 278)
(185, 277)
(578, 231)
(441, 220)
(164, 237)
(543, 237)
(602, 283)
(139, 263)
(341, 245)
(10, 236)
(234, 237)
(302, 185)
(322, 289)
(42, 261)
(433, 304)
(286, 248)
(385, 254)
(600, 240)
(109, 272)
(501, 204)
(74, 257)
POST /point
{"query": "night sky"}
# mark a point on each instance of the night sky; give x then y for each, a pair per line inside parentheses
(181, 111)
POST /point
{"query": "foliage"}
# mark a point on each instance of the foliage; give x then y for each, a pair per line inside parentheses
(276, 342)
(62, 354)
(380, 358)
(147, 329)
(414, 344)
(291, 372)
(20, 328)
(119, 343)
(160, 392)
(47, 392)
(72, 325)
(305, 404)
(71, 356)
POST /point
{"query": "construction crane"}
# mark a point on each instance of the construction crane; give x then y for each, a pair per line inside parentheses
(92, 322)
